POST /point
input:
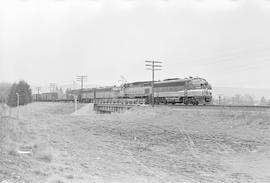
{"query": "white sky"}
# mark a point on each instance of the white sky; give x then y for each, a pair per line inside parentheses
(51, 41)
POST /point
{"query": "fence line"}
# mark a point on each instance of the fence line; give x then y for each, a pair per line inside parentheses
(8, 112)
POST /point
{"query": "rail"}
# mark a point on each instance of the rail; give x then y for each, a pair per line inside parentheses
(223, 106)
(233, 107)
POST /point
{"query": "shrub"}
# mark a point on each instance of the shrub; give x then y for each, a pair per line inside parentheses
(24, 91)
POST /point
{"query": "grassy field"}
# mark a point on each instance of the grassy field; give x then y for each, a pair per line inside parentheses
(140, 145)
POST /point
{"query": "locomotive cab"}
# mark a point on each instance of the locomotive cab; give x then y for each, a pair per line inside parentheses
(196, 91)
(200, 91)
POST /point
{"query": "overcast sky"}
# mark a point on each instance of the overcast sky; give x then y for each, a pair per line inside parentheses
(51, 41)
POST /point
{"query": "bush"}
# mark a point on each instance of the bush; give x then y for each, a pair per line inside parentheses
(24, 91)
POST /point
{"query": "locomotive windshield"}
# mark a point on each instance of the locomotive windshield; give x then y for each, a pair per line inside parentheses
(199, 83)
(208, 86)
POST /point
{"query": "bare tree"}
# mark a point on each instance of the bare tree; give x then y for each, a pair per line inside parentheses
(263, 101)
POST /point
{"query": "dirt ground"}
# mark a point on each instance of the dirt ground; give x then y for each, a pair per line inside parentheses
(49, 144)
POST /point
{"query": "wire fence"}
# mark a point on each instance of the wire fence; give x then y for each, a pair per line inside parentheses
(4, 114)
(8, 112)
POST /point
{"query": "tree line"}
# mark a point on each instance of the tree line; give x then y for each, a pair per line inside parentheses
(241, 100)
(9, 93)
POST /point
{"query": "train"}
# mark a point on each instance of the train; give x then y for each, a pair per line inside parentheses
(52, 96)
(188, 91)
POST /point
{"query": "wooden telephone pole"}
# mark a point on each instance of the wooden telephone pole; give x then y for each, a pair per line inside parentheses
(38, 89)
(52, 87)
(81, 79)
(153, 66)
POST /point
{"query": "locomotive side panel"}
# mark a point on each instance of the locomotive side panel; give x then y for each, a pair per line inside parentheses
(137, 91)
(107, 93)
(88, 95)
(190, 90)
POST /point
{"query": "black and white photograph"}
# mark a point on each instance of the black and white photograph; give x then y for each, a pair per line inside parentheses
(134, 91)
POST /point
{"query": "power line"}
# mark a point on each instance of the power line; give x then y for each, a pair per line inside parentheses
(153, 66)
(81, 79)
(52, 87)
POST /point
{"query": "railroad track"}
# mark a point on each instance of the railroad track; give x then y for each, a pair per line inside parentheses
(247, 107)
(233, 107)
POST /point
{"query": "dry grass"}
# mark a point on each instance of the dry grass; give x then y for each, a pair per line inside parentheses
(201, 144)
(47, 158)
(60, 108)
(140, 145)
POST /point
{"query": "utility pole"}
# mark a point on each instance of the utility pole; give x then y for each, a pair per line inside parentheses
(52, 87)
(153, 66)
(82, 79)
(219, 99)
(76, 105)
(38, 90)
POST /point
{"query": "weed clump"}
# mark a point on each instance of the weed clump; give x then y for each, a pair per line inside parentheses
(47, 158)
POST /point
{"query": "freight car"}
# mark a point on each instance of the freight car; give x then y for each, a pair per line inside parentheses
(50, 96)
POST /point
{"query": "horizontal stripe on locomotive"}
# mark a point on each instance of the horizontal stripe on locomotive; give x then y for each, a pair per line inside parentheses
(192, 93)
(139, 91)
(100, 94)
